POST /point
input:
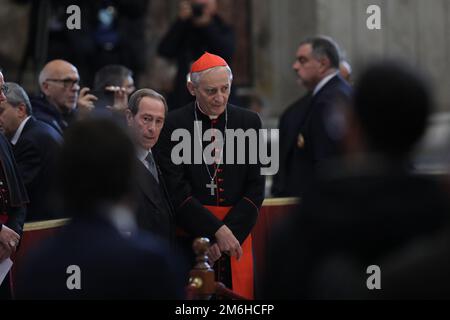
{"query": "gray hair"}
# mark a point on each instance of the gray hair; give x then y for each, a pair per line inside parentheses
(195, 77)
(323, 46)
(136, 97)
(15, 95)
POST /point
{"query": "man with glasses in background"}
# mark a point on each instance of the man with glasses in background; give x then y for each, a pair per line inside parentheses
(61, 100)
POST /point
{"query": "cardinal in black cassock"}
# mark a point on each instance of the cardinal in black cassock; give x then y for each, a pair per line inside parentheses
(210, 194)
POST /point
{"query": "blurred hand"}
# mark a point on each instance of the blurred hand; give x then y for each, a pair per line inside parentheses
(227, 242)
(85, 102)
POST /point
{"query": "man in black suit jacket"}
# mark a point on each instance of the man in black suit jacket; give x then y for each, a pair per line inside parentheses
(145, 118)
(315, 132)
(370, 207)
(100, 254)
(35, 145)
(13, 200)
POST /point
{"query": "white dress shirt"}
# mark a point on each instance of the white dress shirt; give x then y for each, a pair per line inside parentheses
(323, 82)
(19, 130)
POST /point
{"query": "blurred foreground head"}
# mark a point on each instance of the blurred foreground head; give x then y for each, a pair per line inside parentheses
(96, 166)
(391, 105)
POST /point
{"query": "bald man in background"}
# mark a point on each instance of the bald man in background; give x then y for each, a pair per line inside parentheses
(61, 100)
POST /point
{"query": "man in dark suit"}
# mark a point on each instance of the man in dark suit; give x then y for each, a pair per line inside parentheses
(145, 118)
(370, 206)
(35, 145)
(198, 28)
(317, 135)
(100, 254)
(296, 163)
(286, 183)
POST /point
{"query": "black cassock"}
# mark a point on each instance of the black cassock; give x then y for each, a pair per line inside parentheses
(13, 199)
(239, 186)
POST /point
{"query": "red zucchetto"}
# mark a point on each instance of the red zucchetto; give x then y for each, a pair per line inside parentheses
(208, 61)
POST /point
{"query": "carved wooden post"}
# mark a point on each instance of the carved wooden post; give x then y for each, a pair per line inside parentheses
(201, 277)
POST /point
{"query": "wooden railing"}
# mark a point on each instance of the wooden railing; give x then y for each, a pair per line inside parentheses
(272, 212)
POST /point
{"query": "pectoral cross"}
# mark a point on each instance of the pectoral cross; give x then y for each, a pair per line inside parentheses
(212, 186)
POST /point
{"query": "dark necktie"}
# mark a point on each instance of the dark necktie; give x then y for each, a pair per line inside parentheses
(152, 166)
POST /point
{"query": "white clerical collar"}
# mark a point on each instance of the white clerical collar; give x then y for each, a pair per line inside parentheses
(19, 130)
(323, 82)
(211, 117)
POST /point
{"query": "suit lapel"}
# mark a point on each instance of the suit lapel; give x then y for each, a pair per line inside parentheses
(149, 185)
(25, 129)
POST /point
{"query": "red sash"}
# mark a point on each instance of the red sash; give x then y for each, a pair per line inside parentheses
(242, 269)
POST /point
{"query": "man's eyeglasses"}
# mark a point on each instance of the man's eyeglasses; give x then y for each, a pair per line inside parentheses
(67, 83)
(4, 88)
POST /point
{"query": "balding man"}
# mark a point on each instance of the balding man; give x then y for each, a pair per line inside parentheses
(309, 132)
(59, 83)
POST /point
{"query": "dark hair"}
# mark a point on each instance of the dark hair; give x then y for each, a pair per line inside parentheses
(392, 104)
(111, 75)
(96, 165)
(324, 47)
(136, 97)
